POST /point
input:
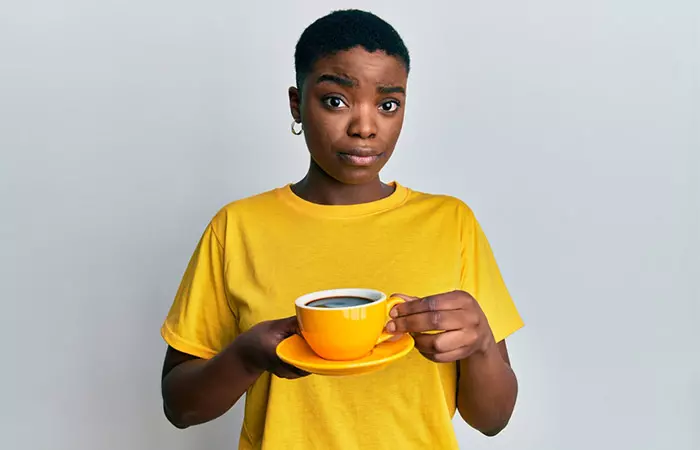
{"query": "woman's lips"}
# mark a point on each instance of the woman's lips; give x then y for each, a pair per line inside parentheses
(361, 158)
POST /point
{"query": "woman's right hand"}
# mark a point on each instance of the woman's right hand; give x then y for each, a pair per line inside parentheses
(257, 347)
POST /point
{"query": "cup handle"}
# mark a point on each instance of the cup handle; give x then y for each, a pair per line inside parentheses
(390, 303)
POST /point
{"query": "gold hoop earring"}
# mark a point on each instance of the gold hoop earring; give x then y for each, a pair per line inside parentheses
(294, 131)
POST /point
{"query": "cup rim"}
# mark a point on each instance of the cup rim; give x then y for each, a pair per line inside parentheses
(302, 302)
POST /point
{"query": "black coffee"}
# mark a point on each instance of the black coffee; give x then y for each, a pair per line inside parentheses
(339, 302)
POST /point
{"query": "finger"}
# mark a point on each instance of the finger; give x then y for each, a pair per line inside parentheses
(288, 326)
(446, 342)
(442, 320)
(289, 323)
(287, 375)
(439, 302)
(284, 370)
(396, 337)
(408, 298)
(295, 370)
(454, 355)
(293, 375)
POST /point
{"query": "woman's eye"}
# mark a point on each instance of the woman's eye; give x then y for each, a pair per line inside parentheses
(390, 106)
(334, 102)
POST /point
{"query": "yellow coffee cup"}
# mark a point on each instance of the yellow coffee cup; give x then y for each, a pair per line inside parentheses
(344, 324)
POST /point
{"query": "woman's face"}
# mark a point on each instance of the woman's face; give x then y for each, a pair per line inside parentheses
(352, 111)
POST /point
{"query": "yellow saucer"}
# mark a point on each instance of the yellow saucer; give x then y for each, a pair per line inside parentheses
(295, 351)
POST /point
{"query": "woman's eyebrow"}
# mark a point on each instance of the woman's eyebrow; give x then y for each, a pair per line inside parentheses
(341, 80)
(383, 89)
(347, 81)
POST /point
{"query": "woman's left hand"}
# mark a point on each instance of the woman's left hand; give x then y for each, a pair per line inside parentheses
(461, 326)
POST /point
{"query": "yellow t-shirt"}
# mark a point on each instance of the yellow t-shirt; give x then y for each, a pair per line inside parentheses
(260, 253)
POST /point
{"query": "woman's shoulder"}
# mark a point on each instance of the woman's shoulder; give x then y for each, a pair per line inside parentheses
(439, 200)
(254, 206)
(251, 202)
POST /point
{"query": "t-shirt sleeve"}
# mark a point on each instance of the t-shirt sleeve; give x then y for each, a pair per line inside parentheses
(482, 278)
(202, 320)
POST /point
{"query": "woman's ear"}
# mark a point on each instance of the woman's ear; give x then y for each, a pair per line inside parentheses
(295, 103)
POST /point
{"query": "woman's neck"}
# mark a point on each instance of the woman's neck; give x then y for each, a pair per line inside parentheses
(319, 187)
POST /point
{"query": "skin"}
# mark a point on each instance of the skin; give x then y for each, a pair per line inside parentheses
(352, 102)
(351, 107)
(196, 391)
(487, 388)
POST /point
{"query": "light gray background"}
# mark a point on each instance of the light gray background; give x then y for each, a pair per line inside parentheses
(571, 128)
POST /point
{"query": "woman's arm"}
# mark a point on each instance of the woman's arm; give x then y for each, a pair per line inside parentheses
(487, 389)
(487, 386)
(196, 390)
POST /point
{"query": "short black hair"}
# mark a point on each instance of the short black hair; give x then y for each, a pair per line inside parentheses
(342, 30)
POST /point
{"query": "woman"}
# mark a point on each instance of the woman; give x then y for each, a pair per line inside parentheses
(341, 226)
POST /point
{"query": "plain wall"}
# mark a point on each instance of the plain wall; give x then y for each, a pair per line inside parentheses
(571, 128)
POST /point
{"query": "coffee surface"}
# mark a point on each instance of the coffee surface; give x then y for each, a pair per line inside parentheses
(339, 302)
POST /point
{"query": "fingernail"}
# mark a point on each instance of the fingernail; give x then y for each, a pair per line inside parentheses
(391, 327)
(393, 312)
